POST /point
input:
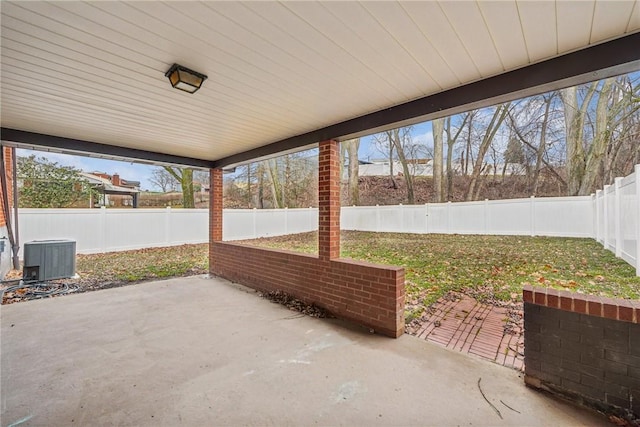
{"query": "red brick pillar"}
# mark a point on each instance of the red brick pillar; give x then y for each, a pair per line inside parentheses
(215, 214)
(329, 200)
(215, 205)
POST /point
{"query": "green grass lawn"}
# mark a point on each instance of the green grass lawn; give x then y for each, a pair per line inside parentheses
(488, 268)
(142, 264)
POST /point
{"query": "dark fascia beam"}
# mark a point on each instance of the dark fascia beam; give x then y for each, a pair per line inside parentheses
(607, 59)
(38, 141)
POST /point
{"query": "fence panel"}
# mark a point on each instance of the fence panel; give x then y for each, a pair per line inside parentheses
(81, 225)
(628, 219)
(363, 218)
(188, 225)
(467, 218)
(509, 217)
(564, 216)
(302, 220)
(124, 229)
(438, 218)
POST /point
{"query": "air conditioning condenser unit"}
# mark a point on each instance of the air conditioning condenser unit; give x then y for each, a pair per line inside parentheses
(49, 260)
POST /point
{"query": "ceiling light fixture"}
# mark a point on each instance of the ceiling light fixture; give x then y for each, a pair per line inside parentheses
(185, 79)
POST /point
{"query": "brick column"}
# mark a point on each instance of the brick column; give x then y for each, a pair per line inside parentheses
(329, 200)
(215, 206)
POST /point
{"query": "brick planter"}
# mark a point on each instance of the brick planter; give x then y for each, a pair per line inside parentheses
(585, 348)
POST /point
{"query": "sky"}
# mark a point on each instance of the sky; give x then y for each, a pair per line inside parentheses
(139, 172)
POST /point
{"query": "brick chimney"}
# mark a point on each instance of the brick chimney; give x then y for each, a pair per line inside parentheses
(115, 179)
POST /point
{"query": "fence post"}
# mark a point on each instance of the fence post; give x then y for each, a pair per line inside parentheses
(286, 220)
(605, 216)
(377, 218)
(167, 225)
(401, 210)
(255, 226)
(426, 218)
(103, 228)
(596, 215)
(485, 206)
(449, 217)
(618, 217)
(532, 212)
(637, 179)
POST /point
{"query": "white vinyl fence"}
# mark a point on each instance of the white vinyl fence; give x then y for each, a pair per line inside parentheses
(617, 224)
(108, 230)
(544, 216)
(612, 217)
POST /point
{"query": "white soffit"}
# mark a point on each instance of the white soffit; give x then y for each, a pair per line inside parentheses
(95, 70)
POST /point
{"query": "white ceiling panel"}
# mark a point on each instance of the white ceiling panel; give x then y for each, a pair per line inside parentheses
(433, 23)
(94, 71)
(503, 21)
(400, 26)
(634, 20)
(538, 19)
(574, 21)
(470, 26)
(609, 18)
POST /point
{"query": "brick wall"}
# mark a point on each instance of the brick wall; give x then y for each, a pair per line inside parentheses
(585, 348)
(371, 295)
(368, 294)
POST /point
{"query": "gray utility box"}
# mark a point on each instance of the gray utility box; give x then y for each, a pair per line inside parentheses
(49, 260)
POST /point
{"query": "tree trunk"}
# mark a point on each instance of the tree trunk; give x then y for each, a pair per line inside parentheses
(408, 177)
(260, 201)
(498, 117)
(185, 178)
(438, 133)
(602, 134)
(574, 115)
(352, 147)
(542, 145)
(274, 182)
(187, 189)
(248, 186)
(451, 140)
(391, 145)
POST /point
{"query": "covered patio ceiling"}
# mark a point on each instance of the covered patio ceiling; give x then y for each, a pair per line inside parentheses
(89, 76)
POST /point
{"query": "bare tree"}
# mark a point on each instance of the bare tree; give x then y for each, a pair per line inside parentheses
(163, 180)
(452, 136)
(437, 127)
(490, 131)
(593, 113)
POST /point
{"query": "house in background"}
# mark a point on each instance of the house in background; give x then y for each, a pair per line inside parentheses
(113, 190)
(382, 167)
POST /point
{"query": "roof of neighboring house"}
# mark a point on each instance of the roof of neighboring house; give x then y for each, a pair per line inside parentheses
(106, 185)
(128, 183)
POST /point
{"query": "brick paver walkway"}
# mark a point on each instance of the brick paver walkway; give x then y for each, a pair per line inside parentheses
(468, 326)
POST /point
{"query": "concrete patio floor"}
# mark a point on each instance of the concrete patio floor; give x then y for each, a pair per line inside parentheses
(201, 351)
